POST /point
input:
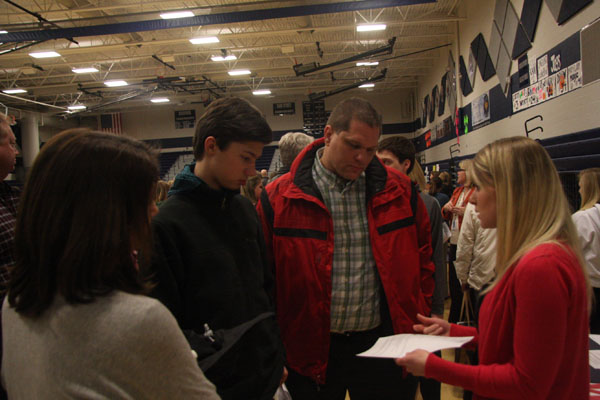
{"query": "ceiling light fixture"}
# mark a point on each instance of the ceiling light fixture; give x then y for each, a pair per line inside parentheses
(367, 85)
(77, 107)
(116, 83)
(3, 32)
(14, 91)
(177, 14)
(370, 27)
(160, 100)
(44, 54)
(205, 40)
(261, 92)
(237, 72)
(84, 70)
(367, 63)
(230, 57)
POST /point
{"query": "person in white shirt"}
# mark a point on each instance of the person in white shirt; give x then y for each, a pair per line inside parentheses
(475, 256)
(587, 222)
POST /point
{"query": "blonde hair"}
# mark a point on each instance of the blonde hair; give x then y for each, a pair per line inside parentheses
(162, 190)
(467, 166)
(5, 128)
(531, 206)
(248, 189)
(589, 182)
(418, 176)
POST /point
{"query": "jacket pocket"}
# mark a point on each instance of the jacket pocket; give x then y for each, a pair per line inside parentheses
(300, 233)
(395, 225)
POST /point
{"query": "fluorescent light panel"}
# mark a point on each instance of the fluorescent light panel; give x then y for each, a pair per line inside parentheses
(160, 100)
(230, 57)
(367, 63)
(371, 27)
(84, 70)
(14, 91)
(367, 85)
(205, 40)
(237, 72)
(44, 54)
(115, 83)
(3, 32)
(261, 92)
(77, 107)
(177, 14)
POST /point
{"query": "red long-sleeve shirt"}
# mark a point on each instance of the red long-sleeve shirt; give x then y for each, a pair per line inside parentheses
(533, 333)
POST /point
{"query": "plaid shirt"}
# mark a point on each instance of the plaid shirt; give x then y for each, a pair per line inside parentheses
(9, 200)
(354, 282)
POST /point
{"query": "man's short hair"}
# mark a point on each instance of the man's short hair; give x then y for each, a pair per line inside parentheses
(5, 128)
(401, 147)
(291, 144)
(229, 120)
(353, 108)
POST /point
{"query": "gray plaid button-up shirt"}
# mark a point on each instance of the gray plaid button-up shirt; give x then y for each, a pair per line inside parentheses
(355, 285)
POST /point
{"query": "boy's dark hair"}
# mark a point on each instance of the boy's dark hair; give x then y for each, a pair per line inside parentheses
(83, 211)
(353, 108)
(229, 120)
(401, 147)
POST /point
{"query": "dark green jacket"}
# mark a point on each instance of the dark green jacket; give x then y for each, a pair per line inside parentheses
(210, 268)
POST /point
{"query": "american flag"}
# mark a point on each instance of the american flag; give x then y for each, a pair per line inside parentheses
(111, 123)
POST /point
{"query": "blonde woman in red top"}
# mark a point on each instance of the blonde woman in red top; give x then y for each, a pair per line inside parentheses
(533, 324)
(453, 211)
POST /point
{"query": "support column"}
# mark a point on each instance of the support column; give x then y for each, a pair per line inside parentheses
(30, 140)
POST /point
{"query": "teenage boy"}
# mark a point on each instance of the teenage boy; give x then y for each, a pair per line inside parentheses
(209, 263)
(398, 153)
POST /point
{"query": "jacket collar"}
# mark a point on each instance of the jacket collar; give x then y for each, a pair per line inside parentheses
(301, 171)
(187, 183)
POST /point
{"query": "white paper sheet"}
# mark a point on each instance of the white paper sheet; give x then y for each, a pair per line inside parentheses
(595, 338)
(398, 345)
(595, 359)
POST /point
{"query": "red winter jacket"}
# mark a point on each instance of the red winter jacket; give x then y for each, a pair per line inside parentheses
(299, 235)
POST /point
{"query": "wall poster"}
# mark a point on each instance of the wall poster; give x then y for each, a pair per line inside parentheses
(480, 111)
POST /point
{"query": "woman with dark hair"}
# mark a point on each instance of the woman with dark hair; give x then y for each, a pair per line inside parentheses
(75, 324)
(435, 190)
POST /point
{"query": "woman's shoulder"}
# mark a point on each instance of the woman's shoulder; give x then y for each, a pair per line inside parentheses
(136, 306)
(548, 259)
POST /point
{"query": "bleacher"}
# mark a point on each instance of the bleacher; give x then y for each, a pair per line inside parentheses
(570, 153)
(264, 161)
(171, 163)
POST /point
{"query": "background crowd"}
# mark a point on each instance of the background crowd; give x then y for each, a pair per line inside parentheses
(230, 283)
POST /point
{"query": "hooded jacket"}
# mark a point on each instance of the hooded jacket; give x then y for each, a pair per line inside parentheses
(299, 235)
(210, 268)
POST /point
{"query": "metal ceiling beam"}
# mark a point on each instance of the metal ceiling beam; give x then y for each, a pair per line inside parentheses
(205, 20)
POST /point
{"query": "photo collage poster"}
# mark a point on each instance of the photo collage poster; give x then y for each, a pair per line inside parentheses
(548, 86)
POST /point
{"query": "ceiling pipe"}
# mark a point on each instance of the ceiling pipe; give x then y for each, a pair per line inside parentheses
(205, 20)
(32, 101)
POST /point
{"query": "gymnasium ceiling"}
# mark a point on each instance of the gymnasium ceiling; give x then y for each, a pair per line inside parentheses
(128, 40)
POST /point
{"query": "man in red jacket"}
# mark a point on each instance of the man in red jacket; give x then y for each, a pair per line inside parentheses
(351, 247)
